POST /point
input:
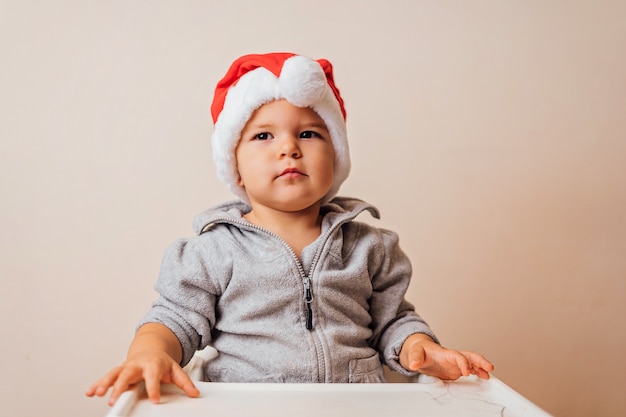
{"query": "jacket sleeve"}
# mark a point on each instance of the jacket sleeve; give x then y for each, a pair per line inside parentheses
(393, 317)
(187, 296)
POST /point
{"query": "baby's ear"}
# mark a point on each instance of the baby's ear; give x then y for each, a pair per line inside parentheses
(240, 182)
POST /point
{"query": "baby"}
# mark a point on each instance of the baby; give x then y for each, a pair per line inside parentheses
(283, 282)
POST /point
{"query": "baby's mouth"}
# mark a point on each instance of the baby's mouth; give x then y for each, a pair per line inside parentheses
(291, 172)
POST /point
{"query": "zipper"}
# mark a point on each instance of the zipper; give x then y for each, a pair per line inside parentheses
(306, 280)
(308, 299)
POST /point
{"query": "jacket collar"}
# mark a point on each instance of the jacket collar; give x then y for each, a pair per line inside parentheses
(340, 209)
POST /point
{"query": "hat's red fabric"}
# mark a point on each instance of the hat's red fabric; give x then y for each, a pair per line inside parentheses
(273, 62)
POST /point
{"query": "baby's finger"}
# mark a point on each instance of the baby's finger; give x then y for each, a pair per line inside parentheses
(125, 379)
(182, 381)
(116, 392)
(478, 371)
(481, 373)
(97, 389)
(94, 390)
(153, 386)
(478, 361)
(463, 363)
(101, 386)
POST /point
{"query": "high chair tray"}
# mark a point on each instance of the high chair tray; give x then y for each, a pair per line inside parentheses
(466, 397)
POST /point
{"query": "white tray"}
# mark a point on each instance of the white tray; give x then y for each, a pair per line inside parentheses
(466, 397)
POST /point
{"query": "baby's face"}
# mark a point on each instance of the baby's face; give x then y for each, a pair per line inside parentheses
(285, 157)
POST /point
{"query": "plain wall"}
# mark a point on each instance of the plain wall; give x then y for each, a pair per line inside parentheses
(491, 134)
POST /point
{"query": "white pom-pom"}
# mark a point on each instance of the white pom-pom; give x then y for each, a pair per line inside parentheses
(302, 81)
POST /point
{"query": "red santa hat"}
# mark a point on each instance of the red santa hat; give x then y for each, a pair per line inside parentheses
(253, 80)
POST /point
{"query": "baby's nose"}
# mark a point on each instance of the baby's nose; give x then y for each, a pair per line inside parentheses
(290, 147)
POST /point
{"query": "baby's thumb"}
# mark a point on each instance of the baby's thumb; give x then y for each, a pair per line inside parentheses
(416, 359)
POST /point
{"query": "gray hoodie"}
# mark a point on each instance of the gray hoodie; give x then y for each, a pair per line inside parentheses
(331, 316)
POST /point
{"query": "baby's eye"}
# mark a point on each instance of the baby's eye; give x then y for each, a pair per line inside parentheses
(308, 134)
(263, 136)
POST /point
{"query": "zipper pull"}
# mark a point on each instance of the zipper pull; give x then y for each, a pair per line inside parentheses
(308, 298)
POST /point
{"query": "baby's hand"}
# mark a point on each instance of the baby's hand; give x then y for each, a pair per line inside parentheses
(152, 366)
(420, 354)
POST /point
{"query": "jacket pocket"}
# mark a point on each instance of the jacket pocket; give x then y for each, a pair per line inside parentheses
(218, 374)
(228, 375)
(366, 370)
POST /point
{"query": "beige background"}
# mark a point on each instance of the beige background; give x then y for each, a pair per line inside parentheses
(491, 134)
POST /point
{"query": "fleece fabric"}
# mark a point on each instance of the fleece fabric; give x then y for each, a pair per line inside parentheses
(335, 314)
